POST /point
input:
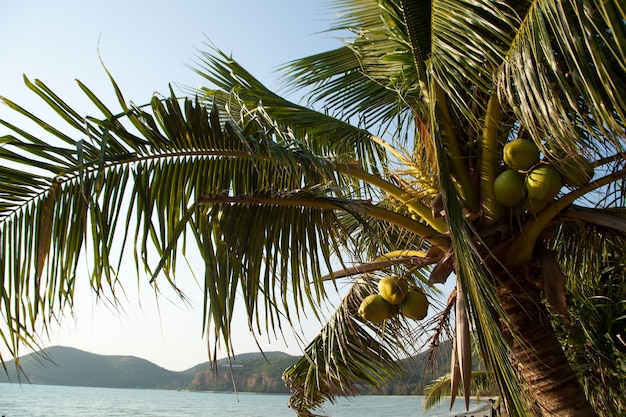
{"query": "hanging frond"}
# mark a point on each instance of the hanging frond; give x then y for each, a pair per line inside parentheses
(476, 281)
(116, 188)
(348, 356)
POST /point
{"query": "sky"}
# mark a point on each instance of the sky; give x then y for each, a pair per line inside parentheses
(147, 45)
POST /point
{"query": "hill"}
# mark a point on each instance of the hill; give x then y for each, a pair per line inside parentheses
(250, 372)
(60, 365)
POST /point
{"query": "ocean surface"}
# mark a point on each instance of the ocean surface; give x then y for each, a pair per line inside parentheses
(52, 400)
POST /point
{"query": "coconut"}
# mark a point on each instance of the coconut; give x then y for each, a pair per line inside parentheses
(543, 183)
(520, 154)
(415, 305)
(509, 188)
(374, 308)
(393, 289)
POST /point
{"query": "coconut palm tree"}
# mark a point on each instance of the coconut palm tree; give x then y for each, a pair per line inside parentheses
(392, 167)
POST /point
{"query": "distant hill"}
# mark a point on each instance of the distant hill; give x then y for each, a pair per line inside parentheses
(61, 365)
(251, 372)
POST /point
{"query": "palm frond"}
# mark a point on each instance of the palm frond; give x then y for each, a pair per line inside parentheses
(417, 17)
(373, 77)
(468, 43)
(142, 188)
(481, 299)
(592, 258)
(176, 170)
(348, 356)
(440, 388)
(462, 343)
(239, 91)
(575, 92)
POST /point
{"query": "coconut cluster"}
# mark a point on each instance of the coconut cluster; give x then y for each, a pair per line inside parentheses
(532, 182)
(393, 296)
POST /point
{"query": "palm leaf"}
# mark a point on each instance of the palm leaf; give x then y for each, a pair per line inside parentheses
(177, 172)
(476, 283)
(463, 347)
(323, 133)
(575, 93)
(440, 388)
(379, 48)
(592, 258)
(468, 44)
(179, 159)
(347, 356)
(373, 79)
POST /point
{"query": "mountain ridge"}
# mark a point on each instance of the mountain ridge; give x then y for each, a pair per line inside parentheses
(63, 365)
(250, 372)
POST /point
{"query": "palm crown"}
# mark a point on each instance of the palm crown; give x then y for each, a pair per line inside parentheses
(390, 167)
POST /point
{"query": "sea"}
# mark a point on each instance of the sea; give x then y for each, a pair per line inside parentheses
(30, 400)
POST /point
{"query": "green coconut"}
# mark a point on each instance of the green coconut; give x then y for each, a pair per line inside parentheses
(374, 308)
(415, 305)
(520, 154)
(509, 188)
(393, 289)
(543, 183)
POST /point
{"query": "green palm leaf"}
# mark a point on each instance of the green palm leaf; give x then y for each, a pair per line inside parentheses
(468, 43)
(592, 259)
(575, 92)
(153, 183)
(342, 359)
(351, 355)
(322, 133)
(184, 173)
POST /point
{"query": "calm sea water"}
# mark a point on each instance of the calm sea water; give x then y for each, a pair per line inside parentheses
(52, 401)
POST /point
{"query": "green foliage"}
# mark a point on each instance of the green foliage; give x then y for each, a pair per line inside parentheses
(594, 332)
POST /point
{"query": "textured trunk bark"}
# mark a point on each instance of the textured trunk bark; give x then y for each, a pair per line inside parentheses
(537, 352)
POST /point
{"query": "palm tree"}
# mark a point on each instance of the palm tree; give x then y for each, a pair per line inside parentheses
(389, 169)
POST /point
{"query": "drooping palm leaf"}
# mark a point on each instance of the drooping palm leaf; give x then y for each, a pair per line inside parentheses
(342, 359)
(181, 157)
(476, 282)
(351, 355)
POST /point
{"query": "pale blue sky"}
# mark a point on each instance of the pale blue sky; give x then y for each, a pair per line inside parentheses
(146, 45)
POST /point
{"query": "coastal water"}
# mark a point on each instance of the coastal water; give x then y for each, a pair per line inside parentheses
(51, 401)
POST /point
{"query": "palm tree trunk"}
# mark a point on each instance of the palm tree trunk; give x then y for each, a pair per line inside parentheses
(537, 353)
